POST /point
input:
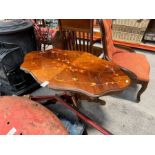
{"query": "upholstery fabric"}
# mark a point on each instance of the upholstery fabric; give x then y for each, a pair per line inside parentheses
(135, 62)
(52, 32)
(108, 37)
(44, 35)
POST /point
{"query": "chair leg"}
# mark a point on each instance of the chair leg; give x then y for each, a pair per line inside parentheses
(144, 86)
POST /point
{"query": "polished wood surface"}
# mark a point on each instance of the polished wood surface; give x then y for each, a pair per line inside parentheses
(96, 36)
(75, 71)
(136, 45)
(77, 34)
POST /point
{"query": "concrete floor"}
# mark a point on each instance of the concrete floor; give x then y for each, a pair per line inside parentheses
(121, 115)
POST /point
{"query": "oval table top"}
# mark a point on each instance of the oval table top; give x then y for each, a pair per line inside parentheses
(22, 116)
(76, 71)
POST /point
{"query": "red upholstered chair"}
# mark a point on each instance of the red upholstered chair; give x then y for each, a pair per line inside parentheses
(125, 57)
(44, 34)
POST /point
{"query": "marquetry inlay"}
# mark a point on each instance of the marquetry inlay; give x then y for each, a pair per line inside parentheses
(76, 71)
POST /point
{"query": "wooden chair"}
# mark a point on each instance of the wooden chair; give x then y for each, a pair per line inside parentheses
(77, 34)
(134, 63)
(44, 34)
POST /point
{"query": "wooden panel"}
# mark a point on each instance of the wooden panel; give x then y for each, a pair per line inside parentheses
(76, 71)
(136, 45)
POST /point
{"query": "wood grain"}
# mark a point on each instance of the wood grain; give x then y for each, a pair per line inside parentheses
(76, 71)
(77, 34)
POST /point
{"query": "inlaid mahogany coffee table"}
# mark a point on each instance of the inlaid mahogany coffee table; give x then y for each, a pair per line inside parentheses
(75, 71)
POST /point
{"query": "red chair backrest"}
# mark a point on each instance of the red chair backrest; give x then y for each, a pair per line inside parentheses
(107, 37)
